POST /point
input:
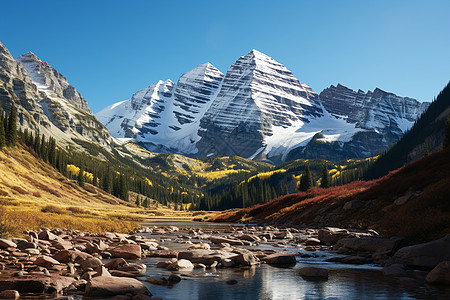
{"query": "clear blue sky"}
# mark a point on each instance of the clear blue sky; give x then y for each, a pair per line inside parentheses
(110, 49)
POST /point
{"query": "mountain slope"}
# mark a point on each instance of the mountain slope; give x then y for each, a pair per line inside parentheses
(422, 214)
(428, 129)
(46, 102)
(165, 117)
(35, 195)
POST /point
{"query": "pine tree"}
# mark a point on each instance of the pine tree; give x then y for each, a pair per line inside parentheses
(37, 144)
(52, 152)
(425, 149)
(306, 181)
(11, 132)
(43, 150)
(2, 130)
(447, 133)
(80, 178)
(325, 178)
(123, 188)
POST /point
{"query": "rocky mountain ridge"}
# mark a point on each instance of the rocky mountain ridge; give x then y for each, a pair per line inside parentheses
(47, 103)
(260, 110)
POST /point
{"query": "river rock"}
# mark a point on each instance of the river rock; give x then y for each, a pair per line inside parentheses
(395, 270)
(61, 244)
(37, 284)
(312, 242)
(355, 260)
(73, 256)
(116, 263)
(90, 263)
(101, 271)
(206, 257)
(174, 278)
(10, 295)
(280, 259)
(46, 235)
(371, 244)
(227, 263)
(157, 281)
(99, 247)
(181, 264)
(245, 259)
(284, 235)
(134, 269)
(331, 235)
(249, 237)
(111, 286)
(46, 261)
(165, 264)
(5, 244)
(425, 256)
(109, 235)
(26, 245)
(311, 273)
(200, 246)
(440, 274)
(131, 251)
(32, 251)
(149, 245)
(219, 240)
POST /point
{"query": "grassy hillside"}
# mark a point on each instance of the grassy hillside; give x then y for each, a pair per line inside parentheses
(34, 195)
(425, 184)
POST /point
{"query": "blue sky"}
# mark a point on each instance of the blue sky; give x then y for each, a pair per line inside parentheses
(110, 49)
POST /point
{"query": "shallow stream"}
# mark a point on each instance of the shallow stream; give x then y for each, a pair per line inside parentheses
(267, 282)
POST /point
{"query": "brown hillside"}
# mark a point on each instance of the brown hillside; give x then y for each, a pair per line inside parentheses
(35, 195)
(424, 216)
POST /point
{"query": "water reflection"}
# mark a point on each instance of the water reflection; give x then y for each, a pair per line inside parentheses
(268, 282)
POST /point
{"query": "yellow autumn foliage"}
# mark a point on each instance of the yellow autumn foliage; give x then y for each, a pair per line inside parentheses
(265, 175)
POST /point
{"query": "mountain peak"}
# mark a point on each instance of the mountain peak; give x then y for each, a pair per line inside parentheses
(29, 56)
(4, 50)
(256, 55)
(206, 65)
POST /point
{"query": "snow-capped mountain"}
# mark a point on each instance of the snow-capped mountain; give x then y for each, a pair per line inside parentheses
(259, 99)
(46, 102)
(259, 110)
(372, 110)
(165, 117)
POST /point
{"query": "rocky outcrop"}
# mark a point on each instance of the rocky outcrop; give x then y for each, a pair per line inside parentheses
(383, 117)
(427, 255)
(44, 75)
(46, 102)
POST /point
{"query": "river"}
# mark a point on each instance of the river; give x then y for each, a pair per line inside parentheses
(268, 282)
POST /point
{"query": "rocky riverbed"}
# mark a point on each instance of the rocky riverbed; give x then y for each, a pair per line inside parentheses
(67, 264)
